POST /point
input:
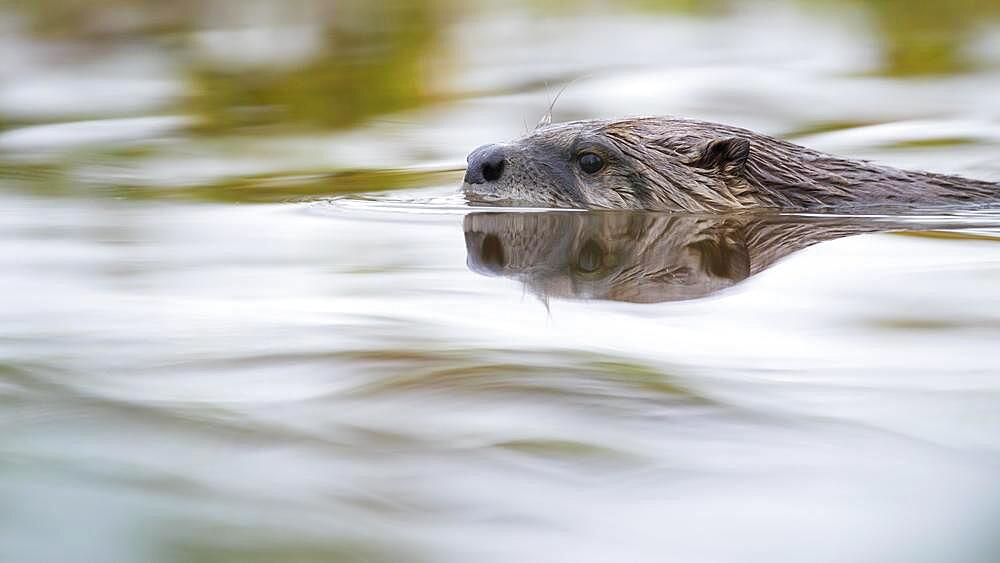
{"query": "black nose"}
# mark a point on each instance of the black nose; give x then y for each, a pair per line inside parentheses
(486, 164)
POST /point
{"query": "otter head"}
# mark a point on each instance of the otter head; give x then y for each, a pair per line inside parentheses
(643, 163)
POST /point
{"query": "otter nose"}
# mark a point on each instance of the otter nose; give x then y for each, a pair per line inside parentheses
(486, 164)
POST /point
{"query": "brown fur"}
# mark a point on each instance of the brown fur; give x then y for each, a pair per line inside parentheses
(674, 164)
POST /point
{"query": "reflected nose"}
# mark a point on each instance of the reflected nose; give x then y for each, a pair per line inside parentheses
(491, 253)
(486, 164)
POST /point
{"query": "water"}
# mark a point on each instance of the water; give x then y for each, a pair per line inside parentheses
(245, 316)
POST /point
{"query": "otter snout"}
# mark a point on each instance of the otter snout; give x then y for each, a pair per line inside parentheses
(486, 165)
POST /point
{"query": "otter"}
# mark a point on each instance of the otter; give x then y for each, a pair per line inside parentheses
(684, 165)
(642, 257)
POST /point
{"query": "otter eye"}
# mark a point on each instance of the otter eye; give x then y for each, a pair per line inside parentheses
(591, 163)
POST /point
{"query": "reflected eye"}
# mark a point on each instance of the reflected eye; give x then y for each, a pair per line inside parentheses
(591, 163)
(591, 257)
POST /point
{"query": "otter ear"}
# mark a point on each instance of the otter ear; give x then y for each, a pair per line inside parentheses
(729, 154)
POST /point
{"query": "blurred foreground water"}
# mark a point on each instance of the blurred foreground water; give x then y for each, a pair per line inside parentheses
(395, 377)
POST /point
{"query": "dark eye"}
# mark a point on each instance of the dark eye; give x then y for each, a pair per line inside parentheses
(591, 163)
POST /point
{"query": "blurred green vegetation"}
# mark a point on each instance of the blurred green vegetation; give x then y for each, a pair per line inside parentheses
(928, 37)
(308, 550)
(373, 58)
(689, 7)
(382, 65)
(273, 188)
(55, 181)
(102, 21)
(370, 58)
(332, 65)
(921, 37)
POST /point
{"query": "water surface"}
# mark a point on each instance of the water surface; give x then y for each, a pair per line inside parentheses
(245, 316)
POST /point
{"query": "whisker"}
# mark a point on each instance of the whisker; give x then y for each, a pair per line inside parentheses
(547, 117)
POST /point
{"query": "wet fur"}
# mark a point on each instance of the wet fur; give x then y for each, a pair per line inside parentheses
(676, 164)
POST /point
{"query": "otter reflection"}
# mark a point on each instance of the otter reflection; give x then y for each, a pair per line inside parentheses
(639, 257)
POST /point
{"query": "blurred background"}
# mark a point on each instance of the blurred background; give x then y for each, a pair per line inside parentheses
(240, 100)
(184, 377)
